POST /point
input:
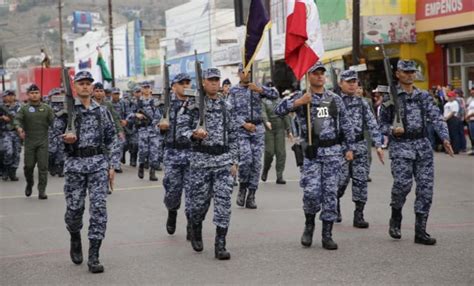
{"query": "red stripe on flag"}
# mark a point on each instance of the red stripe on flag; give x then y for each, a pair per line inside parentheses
(298, 55)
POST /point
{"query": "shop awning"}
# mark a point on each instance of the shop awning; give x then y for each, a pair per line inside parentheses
(455, 37)
(334, 55)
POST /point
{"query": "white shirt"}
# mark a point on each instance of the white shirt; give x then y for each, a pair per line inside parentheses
(451, 106)
(470, 109)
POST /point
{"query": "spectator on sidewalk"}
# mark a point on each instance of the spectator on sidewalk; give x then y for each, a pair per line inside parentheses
(470, 118)
(451, 113)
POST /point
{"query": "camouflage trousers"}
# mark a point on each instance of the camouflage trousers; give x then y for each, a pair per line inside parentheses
(403, 171)
(10, 145)
(319, 181)
(75, 191)
(120, 146)
(174, 182)
(148, 148)
(205, 184)
(357, 170)
(250, 161)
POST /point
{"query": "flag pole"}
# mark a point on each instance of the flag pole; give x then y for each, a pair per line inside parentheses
(308, 112)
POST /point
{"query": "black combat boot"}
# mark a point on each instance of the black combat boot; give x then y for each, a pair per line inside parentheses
(28, 189)
(133, 159)
(146, 165)
(153, 175)
(159, 168)
(250, 202)
(359, 221)
(171, 222)
(395, 223)
(51, 166)
(94, 263)
(12, 174)
(196, 237)
(5, 174)
(189, 229)
(141, 171)
(280, 181)
(339, 216)
(219, 246)
(421, 236)
(61, 170)
(264, 175)
(327, 241)
(76, 248)
(42, 195)
(122, 160)
(307, 237)
(241, 194)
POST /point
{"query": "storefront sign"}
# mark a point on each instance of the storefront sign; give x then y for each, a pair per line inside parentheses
(432, 15)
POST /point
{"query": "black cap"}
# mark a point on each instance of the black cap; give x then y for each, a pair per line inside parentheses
(32, 87)
(98, 85)
(226, 81)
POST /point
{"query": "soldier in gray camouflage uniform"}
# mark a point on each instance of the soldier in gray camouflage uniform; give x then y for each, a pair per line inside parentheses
(410, 149)
(177, 150)
(121, 110)
(362, 118)
(213, 163)
(10, 144)
(56, 143)
(322, 162)
(89, 167)
(246, 100)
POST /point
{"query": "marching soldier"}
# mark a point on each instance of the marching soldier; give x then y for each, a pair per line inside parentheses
(10, 144)
(213, 163)
(362, 118)
(56, 144)
(132, 137)
(276, 129)
(177, 150)
(32, 123)
(89, 167)
(410, 149)
(99, 96)
(322, 162)
(146, 115)
(246, 98)
(121, 110)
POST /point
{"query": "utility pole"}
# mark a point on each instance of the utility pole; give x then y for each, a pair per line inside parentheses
(2, 67)
(355, 32)
(270, 51)
(111, 44)
(61, 47)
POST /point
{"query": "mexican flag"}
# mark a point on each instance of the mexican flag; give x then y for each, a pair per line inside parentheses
(304, 40)
(106, 76)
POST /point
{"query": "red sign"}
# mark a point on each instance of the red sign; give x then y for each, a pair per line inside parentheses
(428, 9)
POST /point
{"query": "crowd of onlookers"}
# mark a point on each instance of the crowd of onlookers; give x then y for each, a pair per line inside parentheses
(458, 111)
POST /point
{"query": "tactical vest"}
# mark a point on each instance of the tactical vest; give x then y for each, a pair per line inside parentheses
(73, 150)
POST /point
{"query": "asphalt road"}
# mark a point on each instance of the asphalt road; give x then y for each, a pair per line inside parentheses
(264, 243)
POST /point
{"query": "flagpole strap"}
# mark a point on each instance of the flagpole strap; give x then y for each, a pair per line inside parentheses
(308, 114)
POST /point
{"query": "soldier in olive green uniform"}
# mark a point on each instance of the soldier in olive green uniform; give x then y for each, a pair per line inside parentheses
(32, 123)
(276, 128)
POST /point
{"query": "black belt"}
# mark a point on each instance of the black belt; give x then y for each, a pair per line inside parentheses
(327, 143)
(178, 146)
(211, 150)
(410, 136)
(86, 152)
(359, 138)
(255, 121)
